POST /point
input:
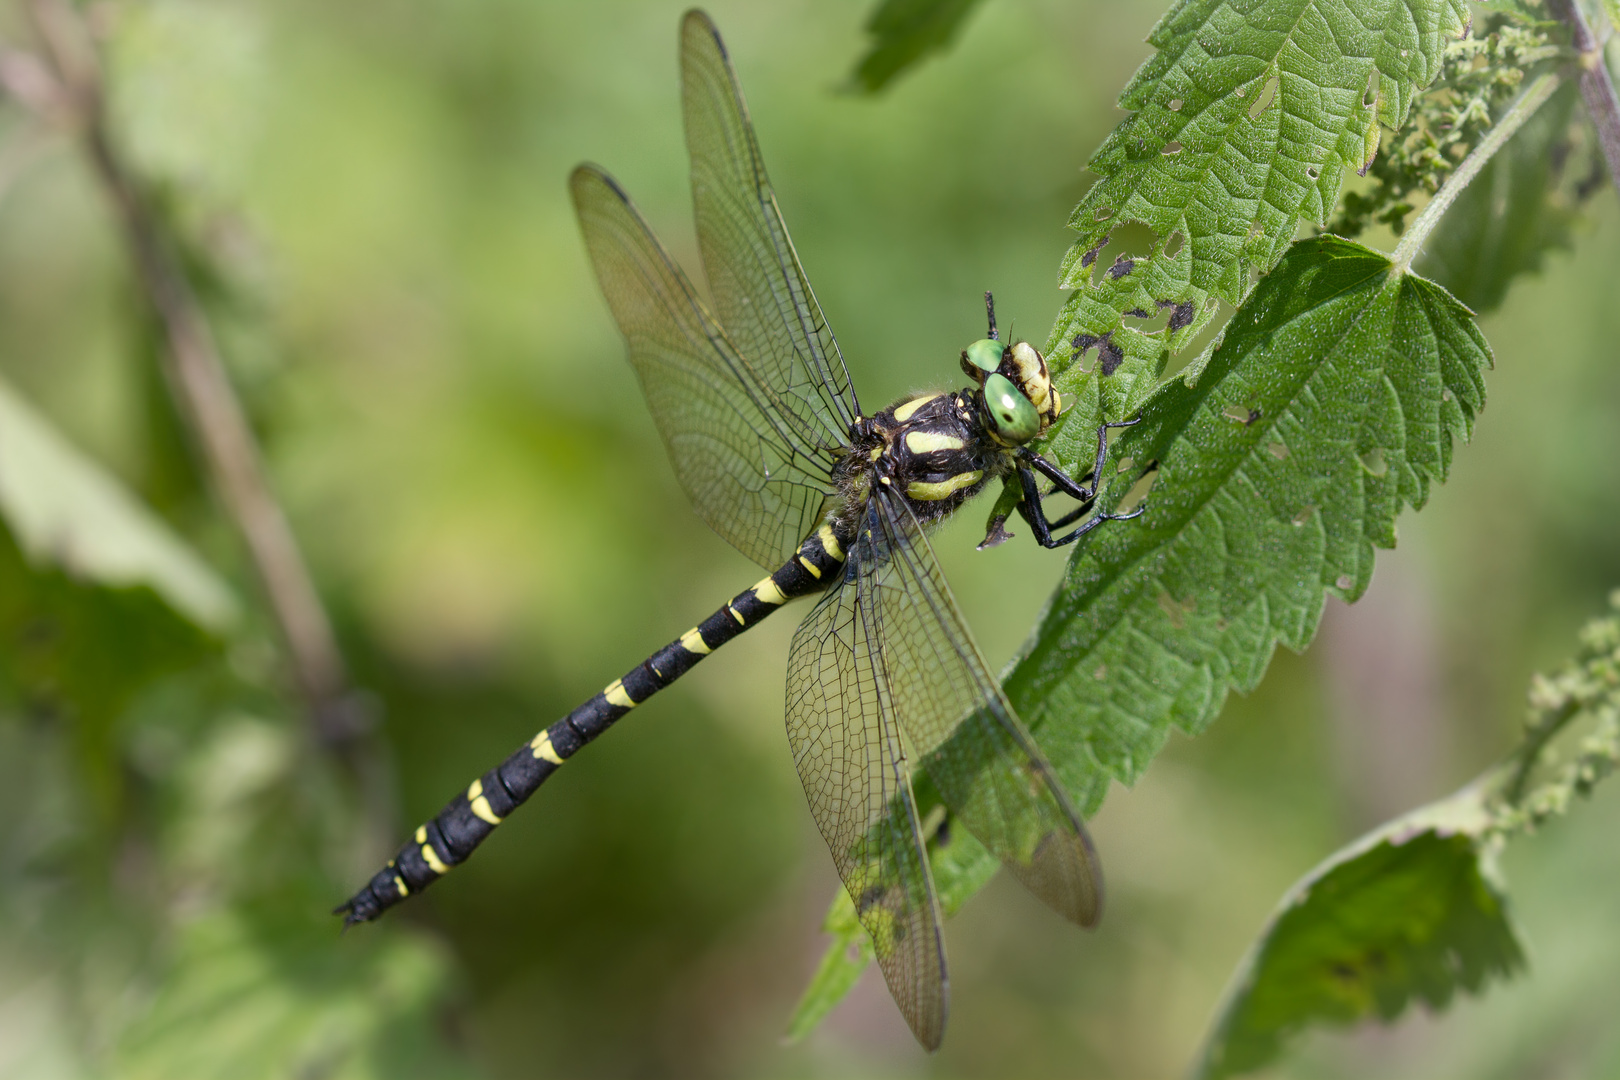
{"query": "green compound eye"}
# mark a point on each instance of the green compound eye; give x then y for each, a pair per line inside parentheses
(1011, 414)
(985, 354)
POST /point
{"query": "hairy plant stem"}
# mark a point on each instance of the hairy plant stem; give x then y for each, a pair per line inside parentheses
(1597, 85)
(1536, 739)
(1523, 107)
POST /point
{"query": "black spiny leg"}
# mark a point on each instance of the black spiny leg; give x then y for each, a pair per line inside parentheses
(1033, 509)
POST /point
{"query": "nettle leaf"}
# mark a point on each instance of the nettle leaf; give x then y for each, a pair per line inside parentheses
(1410, 912)
(1242, 126)
(66, 510)
(1332, 400)
(1511, 214)
(1415, 910)
(904, 33)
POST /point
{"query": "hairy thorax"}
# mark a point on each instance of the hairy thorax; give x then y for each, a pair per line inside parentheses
(930, 448)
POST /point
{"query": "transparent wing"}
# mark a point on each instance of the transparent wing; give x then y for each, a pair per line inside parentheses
(847, 747)
(963, 731)
(760, 291)
(741, 457)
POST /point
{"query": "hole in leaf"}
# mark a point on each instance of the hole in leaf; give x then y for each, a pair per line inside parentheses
(1175, 104)
(1304, 515)
(1268, 94)
(1103, 213)
(1345, 582)
(1139, 490)
(1171, 148)
(1101, 673)
(1109, 355)
(1369, 97)
(1313, 171)
(1240, 414)
(1373, 461)
(1173, 245)
(1278, 451)
(1125, 463)
(1445, 395)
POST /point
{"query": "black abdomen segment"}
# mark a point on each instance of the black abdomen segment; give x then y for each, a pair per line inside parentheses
(471, 816)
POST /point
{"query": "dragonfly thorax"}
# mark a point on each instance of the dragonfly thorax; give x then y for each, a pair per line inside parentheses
(933, 449)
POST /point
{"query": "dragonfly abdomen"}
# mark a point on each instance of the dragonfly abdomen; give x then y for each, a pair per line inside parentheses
(447, 840)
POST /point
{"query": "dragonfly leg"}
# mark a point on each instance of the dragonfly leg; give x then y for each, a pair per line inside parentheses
(1033, 509)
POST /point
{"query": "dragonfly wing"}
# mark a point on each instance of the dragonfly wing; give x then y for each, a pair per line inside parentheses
(746, 466)
(963, 730)
(760, 291)
(850, 755)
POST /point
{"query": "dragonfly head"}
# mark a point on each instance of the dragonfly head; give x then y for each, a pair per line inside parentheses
(1018, 400)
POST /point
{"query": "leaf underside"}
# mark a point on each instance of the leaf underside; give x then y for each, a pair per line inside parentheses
(1411, 913)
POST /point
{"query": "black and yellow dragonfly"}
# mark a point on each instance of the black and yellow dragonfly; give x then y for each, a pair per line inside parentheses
(765, 433)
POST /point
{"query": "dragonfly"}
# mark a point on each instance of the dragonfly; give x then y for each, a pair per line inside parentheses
(754, 404)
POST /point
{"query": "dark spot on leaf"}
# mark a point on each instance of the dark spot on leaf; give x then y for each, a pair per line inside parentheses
(1138, 313)
(1121, 267)
(1182, 316)
(1342, 971)
(1109, 356)
(1091, 256)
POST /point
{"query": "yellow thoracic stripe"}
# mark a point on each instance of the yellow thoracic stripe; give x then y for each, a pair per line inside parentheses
(544, 750)
(692, 641)
(924, 492)
(905, 412)
(616, 695)
(815, 571)
(829, 543)
(923, 442)
(399, 883)
(480, 804)
(767, 593)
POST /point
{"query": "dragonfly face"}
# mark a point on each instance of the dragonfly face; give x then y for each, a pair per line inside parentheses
(938, 450)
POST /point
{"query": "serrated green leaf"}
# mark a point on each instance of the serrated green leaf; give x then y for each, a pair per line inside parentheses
(1332, 400)
(904, 33)
(1242, 126)
(1410, 912)
(67, 511)
(1510, 215)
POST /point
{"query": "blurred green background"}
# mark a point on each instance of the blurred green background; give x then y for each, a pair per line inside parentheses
(378, 189)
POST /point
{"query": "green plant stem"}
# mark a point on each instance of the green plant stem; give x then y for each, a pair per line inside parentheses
(1597, 86)
(1535, 741)
(1534, 96)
